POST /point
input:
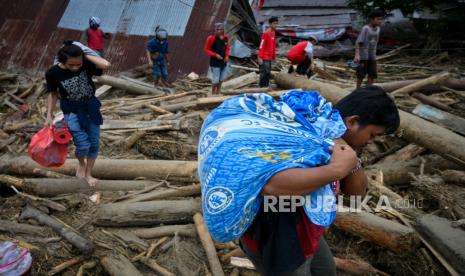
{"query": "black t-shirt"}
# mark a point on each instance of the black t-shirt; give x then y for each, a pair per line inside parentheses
(219, 46)
(73, 86)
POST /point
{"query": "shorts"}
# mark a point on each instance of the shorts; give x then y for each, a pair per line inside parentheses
(218, 74)
(367, 67)
(86, 139)
(159, 69)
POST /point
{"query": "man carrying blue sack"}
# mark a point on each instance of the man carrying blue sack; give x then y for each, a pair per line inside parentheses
(253, 148)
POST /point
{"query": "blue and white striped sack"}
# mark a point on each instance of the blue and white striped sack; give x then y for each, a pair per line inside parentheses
(248, 139)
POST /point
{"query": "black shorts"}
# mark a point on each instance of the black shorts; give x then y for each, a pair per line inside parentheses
(367, 67)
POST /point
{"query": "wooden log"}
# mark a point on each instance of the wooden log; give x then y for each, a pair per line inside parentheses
(131, 140)
(442, 118)
(434, 79)
(419, 131)
(404, 154)
(50, 174)
(131, 239)
(166, 193)
(59, 268)
(392, 53)
(252, 69)
(324, 74)
(86, 266)
(430, 101)
(246, 90)
(110, 168)
(187, 230)
(241, 81)
(397, 172)
(458, 84)
(21, 228)
(383, 232)
(8, 141)
(453, 176)
(357, 267)
(147, 213)
(118, 265)
(128, 86)
(49, 187)
(208, 245)
(129, 124)
(82, 244)
(157, 109)
(43, 201)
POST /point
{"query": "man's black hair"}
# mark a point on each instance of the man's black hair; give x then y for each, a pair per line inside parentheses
(374, 107)
(377, 13)
(273, 19)
(69, 50)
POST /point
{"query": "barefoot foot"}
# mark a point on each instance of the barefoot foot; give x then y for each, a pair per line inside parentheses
(91, 181)
(81, 172)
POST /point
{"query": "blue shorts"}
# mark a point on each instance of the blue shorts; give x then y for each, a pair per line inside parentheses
(159, 69)
(218, 74)
(86, 139)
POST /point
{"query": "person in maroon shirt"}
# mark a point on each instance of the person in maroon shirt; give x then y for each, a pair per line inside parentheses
(267, 52)
(217, 47)
(288, 243)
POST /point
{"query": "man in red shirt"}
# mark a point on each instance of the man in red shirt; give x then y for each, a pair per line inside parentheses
(93, 36)
(267, 52)
(217, 47)
(302, 55)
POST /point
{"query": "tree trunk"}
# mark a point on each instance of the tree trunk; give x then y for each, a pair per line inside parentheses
(419, 131)
(430, 101)
(397, 172)
(166, 193)
(147, 213)
(383, 232)
(50, 187)
(82, 244)
(208, 245)
(118, 265)
(110, 168)
(458, 84)
(128, 86)
(434, 79)
(241, 81)
(187, 230)
(21, 228)
(354, 267)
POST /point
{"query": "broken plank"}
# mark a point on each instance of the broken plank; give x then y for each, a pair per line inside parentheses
(241, 81)
(440, 117)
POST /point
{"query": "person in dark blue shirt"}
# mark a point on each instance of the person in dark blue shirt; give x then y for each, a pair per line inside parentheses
(157, 55)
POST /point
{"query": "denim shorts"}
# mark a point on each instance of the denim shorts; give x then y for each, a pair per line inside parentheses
(159, 69)
(86, 139)
(218, 74)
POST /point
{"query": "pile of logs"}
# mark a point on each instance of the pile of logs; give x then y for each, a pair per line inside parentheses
(144, 216)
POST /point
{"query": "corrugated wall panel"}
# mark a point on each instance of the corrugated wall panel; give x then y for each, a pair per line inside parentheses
(30, 42)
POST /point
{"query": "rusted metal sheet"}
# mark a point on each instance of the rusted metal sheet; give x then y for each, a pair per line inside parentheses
(29, 37)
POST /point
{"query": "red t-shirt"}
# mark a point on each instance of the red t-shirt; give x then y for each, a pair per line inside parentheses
(267, 49)
(297, 53)
(95, 39)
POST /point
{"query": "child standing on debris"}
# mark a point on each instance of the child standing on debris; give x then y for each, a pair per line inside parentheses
(71, 78)
(282, 242)
(217, 47)
(157, 55)
(302, 55)
(365, 48)
(267, 52)
(93, 36)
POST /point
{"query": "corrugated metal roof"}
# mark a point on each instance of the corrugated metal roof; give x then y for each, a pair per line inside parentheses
(303, 11)
(130, 17)
(30, 36)
(305, 3)
(320, 21)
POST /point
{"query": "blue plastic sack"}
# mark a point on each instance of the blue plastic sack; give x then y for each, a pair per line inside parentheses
(248, 139)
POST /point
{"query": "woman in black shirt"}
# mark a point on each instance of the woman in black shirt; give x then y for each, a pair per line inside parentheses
(71, 78)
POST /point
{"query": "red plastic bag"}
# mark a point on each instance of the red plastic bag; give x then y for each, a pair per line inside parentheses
(45, 150)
